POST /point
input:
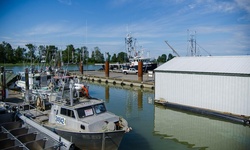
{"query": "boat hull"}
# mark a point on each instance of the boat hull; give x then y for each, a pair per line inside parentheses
(93, 141)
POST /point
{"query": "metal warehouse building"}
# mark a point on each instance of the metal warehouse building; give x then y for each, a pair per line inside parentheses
(219, 83)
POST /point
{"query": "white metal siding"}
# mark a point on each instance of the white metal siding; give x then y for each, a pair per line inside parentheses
(221, 93)
(218, 64)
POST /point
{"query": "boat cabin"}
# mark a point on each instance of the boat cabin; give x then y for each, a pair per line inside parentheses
(90, 116)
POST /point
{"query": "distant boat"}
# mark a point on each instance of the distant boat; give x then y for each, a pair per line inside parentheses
(135, 55)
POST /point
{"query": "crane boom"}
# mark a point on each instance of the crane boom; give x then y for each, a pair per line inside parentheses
(172, 49)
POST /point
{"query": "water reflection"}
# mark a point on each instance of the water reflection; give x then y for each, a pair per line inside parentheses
(139, 97)
(107, 93)
(155, 127)
(200, 132)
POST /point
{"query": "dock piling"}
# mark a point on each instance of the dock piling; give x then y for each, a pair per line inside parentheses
(81, 67)
(107, 69)
(140, 71)
(3, 83)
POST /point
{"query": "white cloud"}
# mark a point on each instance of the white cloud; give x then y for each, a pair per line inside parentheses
(244, 4)
(43, 29)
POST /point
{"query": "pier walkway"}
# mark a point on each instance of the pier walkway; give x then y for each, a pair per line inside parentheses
(118, 78)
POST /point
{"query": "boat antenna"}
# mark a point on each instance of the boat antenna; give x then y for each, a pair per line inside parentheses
(192, 45)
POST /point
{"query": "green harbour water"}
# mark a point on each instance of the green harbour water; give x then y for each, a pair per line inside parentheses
(156, 127)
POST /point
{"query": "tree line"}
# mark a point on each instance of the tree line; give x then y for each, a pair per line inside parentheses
(51, 53)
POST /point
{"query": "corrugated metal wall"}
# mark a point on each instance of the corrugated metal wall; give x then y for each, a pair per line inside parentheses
(221, 93)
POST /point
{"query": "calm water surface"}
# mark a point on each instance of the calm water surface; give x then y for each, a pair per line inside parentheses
(158, 128)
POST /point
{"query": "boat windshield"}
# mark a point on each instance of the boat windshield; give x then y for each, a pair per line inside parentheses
(99, 108)
(85, 111)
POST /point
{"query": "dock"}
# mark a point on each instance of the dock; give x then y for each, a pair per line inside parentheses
(117, 78)
(23, 133)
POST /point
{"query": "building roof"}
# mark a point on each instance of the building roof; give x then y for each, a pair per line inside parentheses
(211, 64)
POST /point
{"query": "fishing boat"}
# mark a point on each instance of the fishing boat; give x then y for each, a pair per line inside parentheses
(136, 54)
(84, 121)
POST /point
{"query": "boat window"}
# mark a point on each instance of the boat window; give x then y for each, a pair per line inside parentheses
(100, 108)
(85, 111)
(67, 112)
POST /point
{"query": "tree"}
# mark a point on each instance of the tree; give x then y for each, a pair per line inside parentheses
(162, 58)
(97, 56)
(78, 54)
(68, 53)
(170, 56)
(42, 53)
(31, 52)
(51, 51)
(114, 58)
(3, 52)
(19, 54)
(85, 54)
(7, 52)
(122, 57)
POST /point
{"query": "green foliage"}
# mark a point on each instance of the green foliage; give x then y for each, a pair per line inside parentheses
(70, 55)
(170, 56)
(114, 58)
(96, 56)
(122, 57)
(162, 58)
(19, 54)
(31, 53)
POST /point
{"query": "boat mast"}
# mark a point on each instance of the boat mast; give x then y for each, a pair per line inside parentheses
(192, 44)
(129, 45)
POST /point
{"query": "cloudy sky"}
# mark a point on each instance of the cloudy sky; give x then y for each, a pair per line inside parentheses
(221, 27)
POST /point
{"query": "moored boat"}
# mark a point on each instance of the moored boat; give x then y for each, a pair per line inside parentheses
(84, 121)
(135, 55)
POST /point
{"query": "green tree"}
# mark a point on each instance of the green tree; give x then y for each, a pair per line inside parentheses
(31, 52)
(19, 54)
(2, 53)
(114, 58)
(68, 54)
(122, 57)
(170, 56)
(85, 54)
(7, 53)
(42, 53)
(162, 58)
(51, 51)
(97, 56)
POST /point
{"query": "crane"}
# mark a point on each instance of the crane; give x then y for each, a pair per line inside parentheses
(172, 49)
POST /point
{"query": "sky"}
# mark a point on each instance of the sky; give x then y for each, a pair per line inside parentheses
(220, 27)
